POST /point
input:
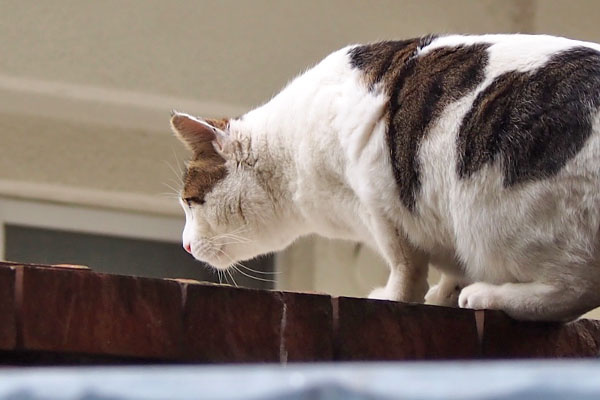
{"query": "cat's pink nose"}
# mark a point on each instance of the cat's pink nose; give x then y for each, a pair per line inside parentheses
(187, 247)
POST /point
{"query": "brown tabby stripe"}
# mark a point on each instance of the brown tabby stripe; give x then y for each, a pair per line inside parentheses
(200, 178)
(533, 121)
(381, 61)
(420, 87)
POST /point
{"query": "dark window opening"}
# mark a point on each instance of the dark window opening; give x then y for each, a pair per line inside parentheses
(125, 256)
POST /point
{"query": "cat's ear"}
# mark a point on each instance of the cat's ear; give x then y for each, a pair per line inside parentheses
(197, 133)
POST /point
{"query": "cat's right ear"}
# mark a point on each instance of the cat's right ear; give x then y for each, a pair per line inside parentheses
(196, 133)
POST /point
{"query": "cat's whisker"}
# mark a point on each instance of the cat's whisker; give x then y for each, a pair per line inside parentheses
(178, 163)
(169, 195)
(175, 191)
(235, 267)
(231, 235)
(229, 243)
(178, 175)
(259, 272)
(231, 260)
(240, 230)
(232, 278)
(235, 237)
(225, 255)
(222, 239)
(176, 182)
(225, 278)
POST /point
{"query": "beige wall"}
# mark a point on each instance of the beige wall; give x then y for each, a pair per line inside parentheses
(86, 87)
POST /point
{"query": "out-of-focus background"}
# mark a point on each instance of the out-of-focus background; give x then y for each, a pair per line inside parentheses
(88, 165)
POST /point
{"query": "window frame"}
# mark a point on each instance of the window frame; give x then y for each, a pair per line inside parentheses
(87, 219)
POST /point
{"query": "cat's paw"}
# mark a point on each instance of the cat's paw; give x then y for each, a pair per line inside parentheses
(441, 295)
(380, 293)
(478, 296)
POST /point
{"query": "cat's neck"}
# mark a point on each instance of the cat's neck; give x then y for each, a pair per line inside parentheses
(305, 137)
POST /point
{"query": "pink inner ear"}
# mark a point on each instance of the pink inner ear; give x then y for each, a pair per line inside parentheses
(192, 132)
(186, 125)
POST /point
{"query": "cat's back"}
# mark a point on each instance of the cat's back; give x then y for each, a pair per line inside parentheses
(479, 127)
(525, 101)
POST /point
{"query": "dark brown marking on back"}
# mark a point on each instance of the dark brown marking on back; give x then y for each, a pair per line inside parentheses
(533, 121)
(381, 61)
(420, 87)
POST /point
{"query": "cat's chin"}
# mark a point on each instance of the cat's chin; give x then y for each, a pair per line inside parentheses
(220, 266)
(213, 256)
(218, 262)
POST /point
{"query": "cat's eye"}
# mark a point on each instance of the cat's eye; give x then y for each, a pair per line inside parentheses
(193, 200)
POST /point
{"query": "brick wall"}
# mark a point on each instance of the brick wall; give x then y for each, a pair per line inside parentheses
(57, 315)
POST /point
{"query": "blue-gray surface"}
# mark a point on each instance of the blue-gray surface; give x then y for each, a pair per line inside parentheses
(546, 380)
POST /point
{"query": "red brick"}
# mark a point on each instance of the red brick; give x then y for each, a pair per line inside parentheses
(8, 328)
(503, 337)
(225, 324)
(71, 310)
(308, 328)
(386, 330)
(46, 266)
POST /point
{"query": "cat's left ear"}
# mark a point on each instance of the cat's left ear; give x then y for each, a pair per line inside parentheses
(197, 133)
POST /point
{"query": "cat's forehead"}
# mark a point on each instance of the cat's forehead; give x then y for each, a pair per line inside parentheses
(201, 177)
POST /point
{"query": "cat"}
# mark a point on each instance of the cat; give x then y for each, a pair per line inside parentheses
(479, 155)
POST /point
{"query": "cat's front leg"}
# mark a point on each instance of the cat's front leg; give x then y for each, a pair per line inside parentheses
(445, 292)
(408, 286)
(407, 281)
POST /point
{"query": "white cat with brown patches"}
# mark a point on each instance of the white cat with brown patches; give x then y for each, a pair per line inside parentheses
(478, 155)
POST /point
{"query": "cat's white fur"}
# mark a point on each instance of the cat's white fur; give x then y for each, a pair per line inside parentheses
(314, 159)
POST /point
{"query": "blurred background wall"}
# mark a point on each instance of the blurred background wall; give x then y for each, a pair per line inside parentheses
(86, 89)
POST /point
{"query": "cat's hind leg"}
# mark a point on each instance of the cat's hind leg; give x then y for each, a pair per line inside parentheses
(529, 301)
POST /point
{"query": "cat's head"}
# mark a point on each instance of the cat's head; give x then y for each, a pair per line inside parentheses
(229, 211)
